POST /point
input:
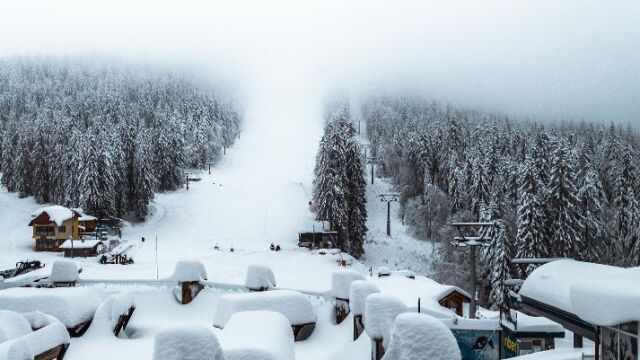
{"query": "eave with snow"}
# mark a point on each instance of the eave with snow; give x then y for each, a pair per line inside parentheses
(54, 225)
(598, 302)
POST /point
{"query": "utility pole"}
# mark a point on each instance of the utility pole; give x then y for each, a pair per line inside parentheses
(209, 168)
(156, 256)
(389, 198)
(472, 242)
(71, 239)
(187, 181)
(373, 161)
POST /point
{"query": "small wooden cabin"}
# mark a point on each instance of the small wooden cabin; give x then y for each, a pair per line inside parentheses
(86, 223)
(81, 248)
(52, 226)
(454, 301)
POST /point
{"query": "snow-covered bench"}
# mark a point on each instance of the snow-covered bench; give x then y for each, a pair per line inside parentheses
(113, 314)
(260, 278)
(293, 305)
(419, 336)
(340, 287)
(31, 336)
(360, 290)
(195, 342)
(258, 335)
(74, 307)
(380, 312)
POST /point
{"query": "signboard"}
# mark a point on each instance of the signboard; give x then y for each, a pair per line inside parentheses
(478, 344)
(509, 345)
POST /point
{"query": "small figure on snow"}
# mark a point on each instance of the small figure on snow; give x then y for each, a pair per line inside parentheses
(216, 247)
(278, 247)
(272, 247)
(231, 249)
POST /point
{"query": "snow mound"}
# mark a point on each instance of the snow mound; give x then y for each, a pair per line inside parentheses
(293, 305)
(341, 282)
(380, 313)
(260, 277)
(418, 336)
(188, 271)
(48, 337)
(599, 294)
(258, 335)
(64, 271)
(108, 313)
(360, 289)
(12, 325)
(193, 342)
(39, 319)
(71, 306)
(16, 349)
(383, 271)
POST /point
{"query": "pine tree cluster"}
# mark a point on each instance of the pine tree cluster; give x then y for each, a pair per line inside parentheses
(105, 136)
(339, 187)
(558, 190)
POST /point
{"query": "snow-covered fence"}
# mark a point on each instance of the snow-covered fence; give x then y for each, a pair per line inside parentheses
(189, 275)
(360, 290)
(258, 335)
(419, 336)
(187, 342)
(294, 306)
(340, 287)
(260, 278)
(381, 311)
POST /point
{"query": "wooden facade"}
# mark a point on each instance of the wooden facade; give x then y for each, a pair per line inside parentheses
(49, 235)
(454, 301)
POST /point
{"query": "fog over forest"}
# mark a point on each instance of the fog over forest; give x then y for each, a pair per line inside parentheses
(546, 59)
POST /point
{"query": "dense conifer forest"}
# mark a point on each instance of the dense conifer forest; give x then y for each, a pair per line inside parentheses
(104, 135)
(555, 190)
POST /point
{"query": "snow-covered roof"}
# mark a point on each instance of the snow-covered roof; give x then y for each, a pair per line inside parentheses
(293, 305)
(527, 323)
(83, 216)
(418, 336)
(58, 214)
(71, 306)
(80, 244)
(409, 290)
(258, 335)
(599, 294)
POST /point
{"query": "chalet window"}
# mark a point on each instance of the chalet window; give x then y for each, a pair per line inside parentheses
(45, 230)
(62, 228)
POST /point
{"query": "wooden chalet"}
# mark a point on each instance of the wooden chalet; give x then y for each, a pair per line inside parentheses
(597, 302)
(81, 248)
(86, 223)
(52, 226)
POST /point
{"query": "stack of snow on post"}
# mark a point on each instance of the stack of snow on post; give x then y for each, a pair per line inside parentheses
(258, 335)
(194, 342)
(74, 307)
(418, 336)
(340, 287)
(293, 305)
(64, 273)
(189, 275)
(31, 335)
(360, 289)
(260, 278)
(381, 311)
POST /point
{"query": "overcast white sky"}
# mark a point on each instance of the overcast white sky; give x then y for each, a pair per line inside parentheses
(551, 59)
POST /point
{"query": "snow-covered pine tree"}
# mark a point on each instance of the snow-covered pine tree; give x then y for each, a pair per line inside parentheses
(356, 194)
(627, 218)
(529, 240)
(563, 206)
(144, 180)
(500, 265)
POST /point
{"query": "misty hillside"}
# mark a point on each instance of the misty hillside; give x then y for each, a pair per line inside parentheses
(105, 136)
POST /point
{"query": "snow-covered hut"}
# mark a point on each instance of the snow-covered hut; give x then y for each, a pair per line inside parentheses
(599, 302)
(81, 248)
(53, 225)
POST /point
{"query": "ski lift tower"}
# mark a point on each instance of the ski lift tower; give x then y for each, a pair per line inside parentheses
(472, 242)
(389, 198)
(373, 160)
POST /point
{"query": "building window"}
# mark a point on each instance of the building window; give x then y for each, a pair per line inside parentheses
(62, 228)
(45, 230)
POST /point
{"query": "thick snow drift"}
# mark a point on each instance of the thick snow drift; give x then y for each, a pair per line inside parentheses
(258, 335)
(188, 271)
(260, 277)
(72, 306)
(12, 325)
(293, 305)
(418, 336)
(380, 313)
(360, 289)
(58, 214)
(108, 313)
(48, 337)
(193, 342)
(64, 271)
(599, 294)
(341, 282)
(15, 349)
